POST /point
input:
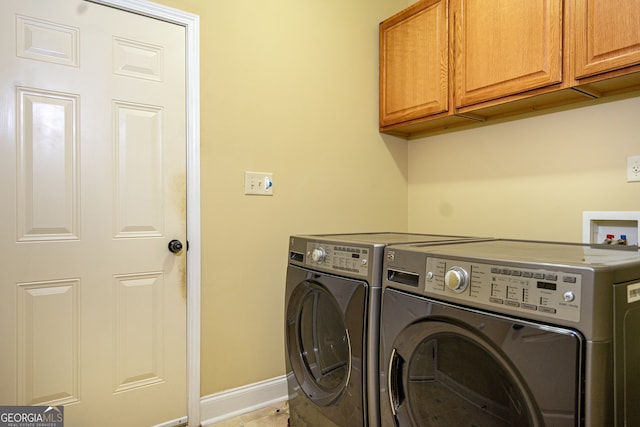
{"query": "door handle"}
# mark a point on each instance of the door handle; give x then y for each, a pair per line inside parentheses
(175, 246)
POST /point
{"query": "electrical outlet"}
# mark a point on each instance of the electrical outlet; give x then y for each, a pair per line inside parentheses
(258, 183)
(633, 169)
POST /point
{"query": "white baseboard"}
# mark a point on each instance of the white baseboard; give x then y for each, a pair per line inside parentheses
(182, 421)
(231, 403)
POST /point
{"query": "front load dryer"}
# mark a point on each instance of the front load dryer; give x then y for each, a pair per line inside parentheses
(332, 308)
(510, 333)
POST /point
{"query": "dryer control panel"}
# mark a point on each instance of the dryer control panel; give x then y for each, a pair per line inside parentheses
(351, 259)
(552, 293)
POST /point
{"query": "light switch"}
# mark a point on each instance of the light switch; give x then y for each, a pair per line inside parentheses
(258, 183)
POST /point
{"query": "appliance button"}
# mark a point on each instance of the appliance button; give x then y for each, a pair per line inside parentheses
(568, 296)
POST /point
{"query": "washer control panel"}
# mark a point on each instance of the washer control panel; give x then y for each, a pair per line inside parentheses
(553, 293)
(352, 259)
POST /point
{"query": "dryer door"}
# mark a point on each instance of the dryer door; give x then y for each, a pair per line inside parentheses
(451, 367)
(324, 332)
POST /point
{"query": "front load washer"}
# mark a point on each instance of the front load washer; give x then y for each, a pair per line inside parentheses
(510, 333)
(332, 313)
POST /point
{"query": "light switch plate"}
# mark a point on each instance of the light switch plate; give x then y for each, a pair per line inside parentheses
(258, 183)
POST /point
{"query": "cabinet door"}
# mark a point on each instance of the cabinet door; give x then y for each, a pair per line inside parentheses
(607, 35)
(504, 47)
(414, 63)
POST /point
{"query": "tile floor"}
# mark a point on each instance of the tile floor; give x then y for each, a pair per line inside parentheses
(271, 416)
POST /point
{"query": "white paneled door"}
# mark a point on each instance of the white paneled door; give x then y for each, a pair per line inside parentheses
(92, 190)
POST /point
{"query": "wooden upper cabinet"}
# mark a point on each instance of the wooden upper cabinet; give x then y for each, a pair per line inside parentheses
(414, 63)
(446, 63)
(607, 36)
(504, 47)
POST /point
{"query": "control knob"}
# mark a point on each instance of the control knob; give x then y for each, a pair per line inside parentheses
(318, 255)
(456, 279)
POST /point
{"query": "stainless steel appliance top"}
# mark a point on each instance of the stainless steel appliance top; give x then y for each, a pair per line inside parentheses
(385, 238)
(555, 253)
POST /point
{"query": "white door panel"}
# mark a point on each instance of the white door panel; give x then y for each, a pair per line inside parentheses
(93, 184)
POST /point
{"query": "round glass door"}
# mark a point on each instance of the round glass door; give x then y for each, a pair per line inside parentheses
(318, 343)
(442, 374)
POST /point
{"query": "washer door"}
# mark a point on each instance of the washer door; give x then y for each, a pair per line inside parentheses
(322, 313)
(446, 374)
(449, 366)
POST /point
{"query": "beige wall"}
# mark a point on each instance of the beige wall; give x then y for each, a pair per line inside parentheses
(288, 87)
(530, 178)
